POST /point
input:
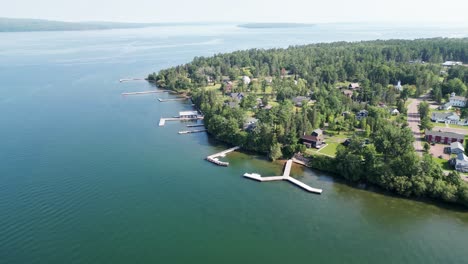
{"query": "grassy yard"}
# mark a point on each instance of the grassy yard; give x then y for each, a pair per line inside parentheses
(330, 149)
(443, 163)
(450, 125)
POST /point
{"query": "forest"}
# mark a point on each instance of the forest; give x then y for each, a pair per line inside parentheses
(381, 150)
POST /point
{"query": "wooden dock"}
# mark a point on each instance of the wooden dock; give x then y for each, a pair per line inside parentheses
(192, 131)
(215, 157)
(285, 177)
(196, 125)
(144, 92)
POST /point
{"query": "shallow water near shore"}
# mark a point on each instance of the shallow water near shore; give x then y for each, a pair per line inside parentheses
(87, 176)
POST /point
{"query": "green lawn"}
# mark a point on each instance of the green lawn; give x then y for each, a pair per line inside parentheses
(450, 125)
(443, 163)
(213, 87)
(330, 149)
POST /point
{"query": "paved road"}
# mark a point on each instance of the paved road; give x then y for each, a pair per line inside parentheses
(414, 120)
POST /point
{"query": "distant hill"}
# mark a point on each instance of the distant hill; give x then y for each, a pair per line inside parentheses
(275, 25)
(22, 25)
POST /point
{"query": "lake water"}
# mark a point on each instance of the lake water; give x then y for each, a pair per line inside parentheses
(87, 176)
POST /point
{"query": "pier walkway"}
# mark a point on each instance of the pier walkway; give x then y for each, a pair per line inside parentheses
(285, 177)
(173, 99)
(144, 92)
(215, 157)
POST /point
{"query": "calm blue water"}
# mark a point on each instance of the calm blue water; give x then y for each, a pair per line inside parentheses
(87, 176)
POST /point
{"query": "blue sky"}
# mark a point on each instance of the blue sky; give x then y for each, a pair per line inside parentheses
(311, 11)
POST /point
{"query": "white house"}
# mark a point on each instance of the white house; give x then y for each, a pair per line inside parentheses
(398, 86)
(395, 112)
(461, 162)
(456, 148)
(459, 101)
(452, 63)
(188, 114)
(446, 106)
(449, 118)
(246, 79)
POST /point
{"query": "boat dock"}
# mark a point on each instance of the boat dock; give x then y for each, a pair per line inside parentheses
(215, 157)
(163, 120)
(173, 99)
(196, 125)
(144, 92)
(285, 177)
(192, 131)
(131, 79)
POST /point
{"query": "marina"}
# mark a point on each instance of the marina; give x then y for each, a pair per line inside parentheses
(284, 177)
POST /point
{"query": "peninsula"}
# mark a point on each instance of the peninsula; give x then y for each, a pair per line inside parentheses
(345, 108)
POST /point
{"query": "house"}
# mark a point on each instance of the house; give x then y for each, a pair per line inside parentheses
(315, 140)
(398, 86)
(459, 101)
(395, 112)
(448, 117)
(250, 123)
(246, 80)
(353, 86)
(348, 93)
(461, 162)
(456, 148)
(443, 137)
(228, 87)
(298, 100)
(451, 63)
(237, 96)
(446, 106)
(188, 114)
(362, 114)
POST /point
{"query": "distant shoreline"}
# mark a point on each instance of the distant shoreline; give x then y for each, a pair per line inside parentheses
(275, 25)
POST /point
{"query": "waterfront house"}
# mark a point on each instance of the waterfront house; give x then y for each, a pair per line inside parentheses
(459, 101)
(250, 123)
(456, 148)
(443, 137)
(188, 114)
(353, 86)
(315, 140)
(299, 100)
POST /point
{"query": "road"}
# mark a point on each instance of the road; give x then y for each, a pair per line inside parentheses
(414, 120)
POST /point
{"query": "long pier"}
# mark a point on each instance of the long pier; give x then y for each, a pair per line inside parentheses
(196, 125)
(192, 131)
(215, 157)
(131, 79)
(144, 92)
(285, 177)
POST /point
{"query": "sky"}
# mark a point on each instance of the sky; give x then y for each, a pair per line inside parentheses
(300, 11)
